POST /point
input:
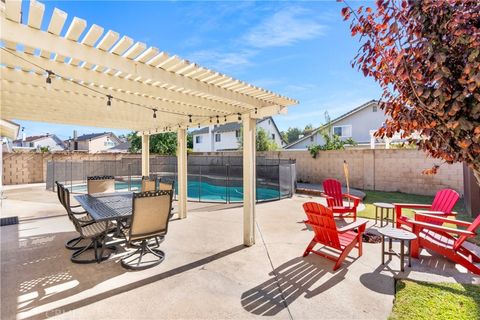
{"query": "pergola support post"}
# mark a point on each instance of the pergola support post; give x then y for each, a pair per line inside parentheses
(182, 172)
(145, 155)
(249, 179)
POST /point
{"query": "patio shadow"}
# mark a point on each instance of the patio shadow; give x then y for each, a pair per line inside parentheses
(39, 280)
(288, 282)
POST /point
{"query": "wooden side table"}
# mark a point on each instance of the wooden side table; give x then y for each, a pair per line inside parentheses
(397, 234)
(379, 208)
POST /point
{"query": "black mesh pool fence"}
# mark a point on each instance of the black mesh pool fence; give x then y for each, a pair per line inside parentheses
(210, 178)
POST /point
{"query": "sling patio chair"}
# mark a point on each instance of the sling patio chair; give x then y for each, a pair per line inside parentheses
(83, 216)
(90, 230)
(332, 190)
(449, 242)
(338, 240)
(149, 183)
(151, 212)
(442, 205)
(166, 185)
(100, 184)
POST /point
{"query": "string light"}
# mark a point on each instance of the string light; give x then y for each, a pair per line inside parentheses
(199, 125)
(109, 102)
(51, 74)
(239, 117)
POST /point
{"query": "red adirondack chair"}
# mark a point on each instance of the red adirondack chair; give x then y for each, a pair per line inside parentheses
(443, 202)
(333, 192)
(320, 219)
(442, 240)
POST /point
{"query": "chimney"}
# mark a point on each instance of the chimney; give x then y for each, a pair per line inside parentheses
(75, 143)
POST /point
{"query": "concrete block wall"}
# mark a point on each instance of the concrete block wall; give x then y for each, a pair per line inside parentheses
(378, 169)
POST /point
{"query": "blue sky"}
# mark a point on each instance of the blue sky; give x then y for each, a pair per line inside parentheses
(299, 49)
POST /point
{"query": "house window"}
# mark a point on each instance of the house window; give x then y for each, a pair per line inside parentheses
(218, 137)
(343, 131)
(374, 108)
(198, 139)
(311, 138)
(108, 144)
(237, 133)
(273, 136)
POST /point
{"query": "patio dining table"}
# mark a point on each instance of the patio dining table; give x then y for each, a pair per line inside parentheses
(107, 206)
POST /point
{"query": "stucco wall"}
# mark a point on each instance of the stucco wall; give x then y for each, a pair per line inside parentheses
(379, 169)
(228, 140)
(205, 145)
(269, 127)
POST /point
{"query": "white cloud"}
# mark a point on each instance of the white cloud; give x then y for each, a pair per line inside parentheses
(285, 27)
(222, 61)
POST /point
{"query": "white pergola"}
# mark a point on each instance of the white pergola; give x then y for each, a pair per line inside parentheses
(99, 78)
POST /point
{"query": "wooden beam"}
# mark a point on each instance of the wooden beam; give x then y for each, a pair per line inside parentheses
(182, 172)
(126, 85)
(249, 179)
(145, 155)
(63, 47)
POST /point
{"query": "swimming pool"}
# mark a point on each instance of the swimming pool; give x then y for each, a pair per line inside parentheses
(199, 190)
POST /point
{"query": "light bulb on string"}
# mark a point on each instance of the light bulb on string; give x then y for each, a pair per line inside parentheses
(109, 102)
(48, 80)
(218, 121)
(239, 117)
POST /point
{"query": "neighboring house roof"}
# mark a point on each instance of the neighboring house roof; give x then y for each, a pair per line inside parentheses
(122, 147)
(200, 131)
(227, 127)
(234, 126)
(40, 137)
(93, 136)
(343, 116)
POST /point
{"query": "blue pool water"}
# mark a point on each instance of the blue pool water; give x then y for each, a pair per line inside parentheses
(202, 191)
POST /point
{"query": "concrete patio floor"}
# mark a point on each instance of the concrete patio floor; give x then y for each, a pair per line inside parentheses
(207, 273)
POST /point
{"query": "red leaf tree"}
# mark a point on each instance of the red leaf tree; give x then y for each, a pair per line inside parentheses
(426, 57)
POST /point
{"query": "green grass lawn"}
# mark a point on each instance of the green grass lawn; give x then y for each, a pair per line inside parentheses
(391, 197)
(440, 301)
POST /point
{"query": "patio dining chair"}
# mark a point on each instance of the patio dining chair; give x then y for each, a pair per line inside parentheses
(332, 190)
(149, 183)
(442, 205)
(93, 232)
(151, 212)
(338, 240)
(83, 216)
(166, 185)
(100, 184)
